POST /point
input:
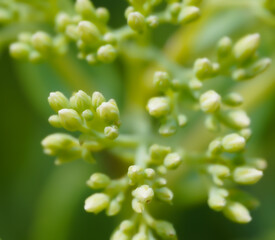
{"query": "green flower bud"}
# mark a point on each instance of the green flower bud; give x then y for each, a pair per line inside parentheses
(240, 74)
(126, 226)
(158, 106)
(217, 198)
(162, 170)
(152, 21)
(211, 123)
(55, 121)
(149, 173)
(35, 57)
(135, 173)
(172, 160)
(62, 20)
(238, 119)
(160, 182)
(108, 111)
(210, 101)
(98, 181)
(203, 68)
(259, 66)
(175, 9)
(111, 132)
(247, 175)
(259, 163)
(237, 212)
(158, 153)
(233, 143)
(140, 236)
(80, 101)
(25, 37)
(136, 21)
(119, 235)
(165, 230)
(195, 84)
(182, 120)
(88, 115)
(224, 47)
(72, 32)
(169, 127)
(162, 80)
(70, 119)
(58, 101)
(164, 194)
(137, 206)
(215, 147)
(233, 99)
(42, 42)
(246, 47)
(128, 10)
(5, 15)
(19, 50)
(246, 133)
(218, 172)
(103, 14)
(106, 53)
(114, 208)
(87, 155)
(85, 8)
(88, 32)
(91, 59)
(97, 202)
(110, 38)
(143, 194)
(188, 14)
(97, 99)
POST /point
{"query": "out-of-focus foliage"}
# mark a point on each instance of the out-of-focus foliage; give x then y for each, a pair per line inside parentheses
(40, 201)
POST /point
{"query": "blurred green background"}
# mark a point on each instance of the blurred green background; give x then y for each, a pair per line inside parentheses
(40, 201)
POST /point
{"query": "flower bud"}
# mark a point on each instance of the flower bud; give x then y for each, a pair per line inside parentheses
(233, 99)
(164, 194)
(149, 173)
(88, 32)
(108, 111)
(216, 198)
(19, 50)
(85, 8)
(110, 38)
(169, 127)
(106, 53)
(238, 119)
(158, 106)
(162, 170)
(218, 171)
(111, 132)
(98, 181)
(258, 163)
(182, 120)
(87, 115)
(237, 212)
(195, 84)
(160, 182)
(135, 173)
(210, 101)
(224, 47)
(215, 147)
(203, 68)
(136, 21)
(97, 202)
(58, 101)
(114, 208)
(165, 230)
(161, 80)
(72, 32)
(211, 123)
(42, 42)
(80, 101)
(97, 99)
(174, 9)
(103, 14)
(247, 175)
(158, 153)
(188, 14)
(233, 143)
(246, 47)
(259, 66)
(137, 206)
(70, 119)
(140, 236)
(152, 21)
(172, 160)
(62, 20)
(128, 10)
(126, 226)
(55, 121)
(143, 194)
(119, 235)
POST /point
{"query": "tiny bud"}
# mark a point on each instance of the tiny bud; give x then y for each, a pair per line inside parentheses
(233, 143)
(88, 32)
(97, 99)
(238, 119)
(195, 84)
(55, 121)
(246, 133)
(246, 47)
(158, 153)
(162, 170)
(140, 236)
(85, 8)
(19, 50)
(175, 9)
(224, 47)
(110, 38)
(237, 212)
(152, 21)
(215, 147)
(70, 119)
(136, 21)
(161, 80)
(218, 172)
(247, 175)
(62, 20)
(233, 99)
(172, 160)
(164, 194)
(87, 115)
(210, 101)
(259, 163)
(42, 42)
(143, 194)
(188, 14)
(160, 182)
(203, 68)
(119, 235)
(126, 226)
(137, 206)
(216, 198)
(111, 132)
(58, 101)
(103, 14)
(71, 32)
(80, 101)
(97, 202)
(168, 128)
(114, 208)
(158, 106)
(128, 10)
(211, 123)
(149, 173)
(259, 66)
(106, 53)
(240, 74)
(108, 111)
(98, 181)
(182, 120)
(135, 173)
(35, 56)
(91, 59)
(165, 230)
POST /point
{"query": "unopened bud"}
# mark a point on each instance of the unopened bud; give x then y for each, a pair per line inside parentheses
(195, 84)
(161, 80)
(136, 21)
(97, 202)
(135, 173)
(182, 120)
(137, 206)
(169, 127)
(87, 115)
(224, 47)
(19, 50)
(62, 20)
(233, 99)
(84, 8)
(188, 14)
(152, 21)
(233, 143)
(55, 121)
(165, 230)
(203, 68)
(111, 132)
(158, 106)
(70, 119)
(172, 160)
(97, 99)
(149, 173)
(103, 14)
(108, 111)
(247, 175)
(164, 194)
(158, 153)
(218, 172)
(143, 194)
(42, 42)
(238, 119)
(126, 226)
(215, 147)
(88, 32)
(237, 212)
(106, 53)
(58, 101)
(80, 101)
(119, 235)
(210, 101)
(217, 198)
(98, 181)
(114, 208)
(140, 236)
